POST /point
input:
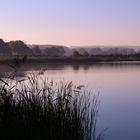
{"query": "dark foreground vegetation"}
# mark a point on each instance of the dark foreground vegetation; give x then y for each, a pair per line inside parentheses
(43, 110)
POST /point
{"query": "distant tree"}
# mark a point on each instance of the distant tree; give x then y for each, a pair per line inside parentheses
(54, 51)
(85, 54)
(96, 51)
(37, 50)
(20, 48)
(76, 54)
(4, 48)
(138, 52)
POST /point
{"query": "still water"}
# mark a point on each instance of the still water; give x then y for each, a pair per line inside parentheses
(119, 88)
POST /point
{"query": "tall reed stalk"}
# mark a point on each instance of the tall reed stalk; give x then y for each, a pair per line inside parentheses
(45, 110)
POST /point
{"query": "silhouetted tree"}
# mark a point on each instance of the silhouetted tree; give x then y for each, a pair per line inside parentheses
(54, 51)
(36, 50)
(4, 48)
(20, 48)
(76, 54)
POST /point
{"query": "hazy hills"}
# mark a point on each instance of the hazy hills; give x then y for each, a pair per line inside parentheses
(20, 48)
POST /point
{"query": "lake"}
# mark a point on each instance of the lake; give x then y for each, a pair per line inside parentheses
(119, 88)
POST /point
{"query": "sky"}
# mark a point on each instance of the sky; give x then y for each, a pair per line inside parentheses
(71, 22)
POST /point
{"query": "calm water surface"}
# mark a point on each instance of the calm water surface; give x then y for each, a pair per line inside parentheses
(119, 88)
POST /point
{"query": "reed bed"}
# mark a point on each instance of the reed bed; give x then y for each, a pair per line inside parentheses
(47, 110)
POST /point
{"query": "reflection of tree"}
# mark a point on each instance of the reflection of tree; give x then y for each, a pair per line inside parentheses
(86, 67)
(76, 67)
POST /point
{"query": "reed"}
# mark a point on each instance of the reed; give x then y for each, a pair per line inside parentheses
(42, 109)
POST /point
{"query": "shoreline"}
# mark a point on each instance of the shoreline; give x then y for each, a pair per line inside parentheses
(70, 60)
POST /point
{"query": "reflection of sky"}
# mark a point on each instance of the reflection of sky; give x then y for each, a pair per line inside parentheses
(71, 22)
(120, 96)
(118, 85)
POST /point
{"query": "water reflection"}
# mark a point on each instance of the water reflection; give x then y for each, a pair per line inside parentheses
(75, 67)
(118, 84)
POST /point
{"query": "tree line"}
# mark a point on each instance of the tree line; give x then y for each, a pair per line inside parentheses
(19, 47)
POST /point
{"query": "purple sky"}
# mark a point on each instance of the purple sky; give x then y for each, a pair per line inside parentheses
(71, 22)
